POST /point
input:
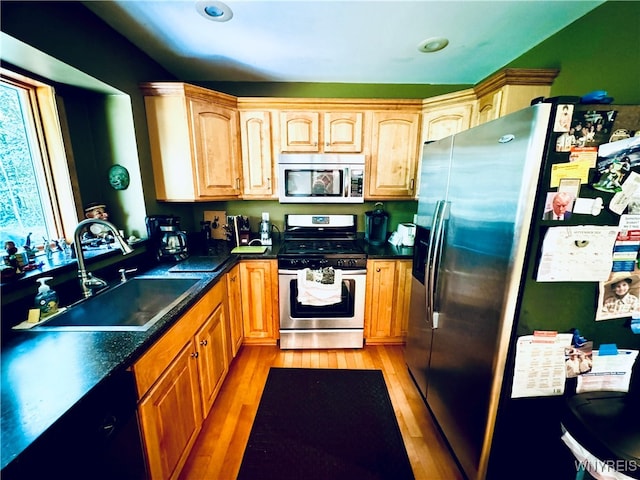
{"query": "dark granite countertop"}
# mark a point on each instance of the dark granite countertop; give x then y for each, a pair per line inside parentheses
(46, 373)
(386, 250)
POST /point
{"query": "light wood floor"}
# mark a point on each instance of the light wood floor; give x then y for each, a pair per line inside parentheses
(220, 446)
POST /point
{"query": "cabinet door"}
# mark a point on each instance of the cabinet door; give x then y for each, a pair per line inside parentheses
(489, 107)
(211, 347)
(257, 157)
(343, 132)
(259, 291)
(394, 155)
(403, 299)
(387, 301)
(171, 415)
(299, 132)
(235, 312)
(379, 303)
(215, 137)
(444, 122)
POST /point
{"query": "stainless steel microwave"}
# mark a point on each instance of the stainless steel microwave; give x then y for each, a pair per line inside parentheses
(321, 178)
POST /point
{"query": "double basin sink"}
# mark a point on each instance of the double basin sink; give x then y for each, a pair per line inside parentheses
(134, 305)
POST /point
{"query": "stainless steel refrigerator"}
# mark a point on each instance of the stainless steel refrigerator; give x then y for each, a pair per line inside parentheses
(474, 290)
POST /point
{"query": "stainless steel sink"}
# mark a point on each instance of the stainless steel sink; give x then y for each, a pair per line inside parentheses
(134, 305)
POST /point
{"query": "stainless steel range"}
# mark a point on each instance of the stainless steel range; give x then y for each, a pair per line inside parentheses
(322, 279)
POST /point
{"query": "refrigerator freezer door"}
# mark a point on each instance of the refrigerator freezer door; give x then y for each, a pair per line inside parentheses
(494, 174)
(434, 179)
(419, 335)
(436, 158)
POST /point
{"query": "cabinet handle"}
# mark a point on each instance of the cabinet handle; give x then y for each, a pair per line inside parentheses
(194, 355)
(238, 183)
(269, 183)
(412, 184)
(203, 343)
(327, 144)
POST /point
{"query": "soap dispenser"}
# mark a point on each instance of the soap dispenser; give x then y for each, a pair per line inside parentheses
(46, 300)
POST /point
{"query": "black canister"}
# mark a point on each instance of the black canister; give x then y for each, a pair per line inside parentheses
(376, 225)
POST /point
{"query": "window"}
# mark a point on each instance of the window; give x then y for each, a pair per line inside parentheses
(34, 176)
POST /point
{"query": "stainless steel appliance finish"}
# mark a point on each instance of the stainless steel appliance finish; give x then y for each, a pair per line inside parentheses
(314, 242)
(327, 178)
(475, 202)
(481, 209)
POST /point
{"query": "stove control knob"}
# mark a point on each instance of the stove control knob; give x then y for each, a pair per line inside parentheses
(304, 261)
(340, 263)
(323, 261)
(352, 262)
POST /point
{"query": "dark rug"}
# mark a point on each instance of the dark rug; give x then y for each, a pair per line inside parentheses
(325, 424)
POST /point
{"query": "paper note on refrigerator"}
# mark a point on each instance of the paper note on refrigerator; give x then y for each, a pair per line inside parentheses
(611, 373)
(540, 368)
(577, 254)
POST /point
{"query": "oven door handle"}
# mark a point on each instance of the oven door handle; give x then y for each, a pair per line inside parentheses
(345, 273)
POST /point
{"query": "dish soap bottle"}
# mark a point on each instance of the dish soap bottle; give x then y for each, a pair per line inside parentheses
(46, 299)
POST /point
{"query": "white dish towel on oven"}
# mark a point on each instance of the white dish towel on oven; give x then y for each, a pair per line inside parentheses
(319, 287)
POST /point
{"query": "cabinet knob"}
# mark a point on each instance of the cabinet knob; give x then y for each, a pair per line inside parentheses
(378, 270)
(194, 355)
(203, 343)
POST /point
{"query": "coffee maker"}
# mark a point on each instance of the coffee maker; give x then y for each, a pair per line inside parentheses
(167, 240)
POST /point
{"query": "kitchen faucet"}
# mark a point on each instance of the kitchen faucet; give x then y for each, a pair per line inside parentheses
(87, 281)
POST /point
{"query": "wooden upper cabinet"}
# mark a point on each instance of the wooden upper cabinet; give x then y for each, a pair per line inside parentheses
(216, 146)
(448, 114)
(343, 132)
(194, 140)
(316, 132)
(511, 90)
(258, 165)
(393, 163)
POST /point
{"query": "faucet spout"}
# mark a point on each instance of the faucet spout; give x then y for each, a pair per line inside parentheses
(87, 281)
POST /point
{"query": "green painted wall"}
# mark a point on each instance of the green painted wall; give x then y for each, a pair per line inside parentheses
(600, 51)
(331, 90)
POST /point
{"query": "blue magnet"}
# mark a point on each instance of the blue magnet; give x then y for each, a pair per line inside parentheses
(608, 349)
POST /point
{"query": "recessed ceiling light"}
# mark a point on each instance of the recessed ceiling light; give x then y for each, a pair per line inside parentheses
(216, 11)
(433, 44)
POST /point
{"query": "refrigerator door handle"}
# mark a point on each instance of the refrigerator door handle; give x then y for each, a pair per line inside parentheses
(434, 261)
(429, 261)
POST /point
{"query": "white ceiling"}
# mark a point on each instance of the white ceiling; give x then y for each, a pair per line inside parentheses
(349, 41)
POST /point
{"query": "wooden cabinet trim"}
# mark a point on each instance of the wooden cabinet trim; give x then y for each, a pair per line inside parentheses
(516, 76)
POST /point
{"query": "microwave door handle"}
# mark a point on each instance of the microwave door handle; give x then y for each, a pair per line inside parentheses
(347, 183)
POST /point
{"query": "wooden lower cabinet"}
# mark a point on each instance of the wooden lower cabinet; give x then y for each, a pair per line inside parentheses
(171, 416)
(259, 294)
(177, 381)
(212, 354)
(235, 309)
(387, 301)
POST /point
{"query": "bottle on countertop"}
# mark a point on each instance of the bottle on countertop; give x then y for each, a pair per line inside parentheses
(46, 299)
